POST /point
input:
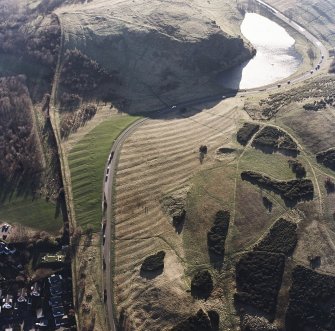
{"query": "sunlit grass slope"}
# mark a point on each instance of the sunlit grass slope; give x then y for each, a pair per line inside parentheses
(87, 161)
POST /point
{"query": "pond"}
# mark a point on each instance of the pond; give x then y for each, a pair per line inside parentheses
(276, 57)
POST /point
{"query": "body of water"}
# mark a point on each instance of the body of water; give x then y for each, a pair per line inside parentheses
(276, 57)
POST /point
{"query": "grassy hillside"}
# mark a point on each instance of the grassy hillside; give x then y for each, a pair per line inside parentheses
(87, 160)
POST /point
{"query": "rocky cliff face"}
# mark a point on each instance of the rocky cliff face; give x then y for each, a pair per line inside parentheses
(162, 51)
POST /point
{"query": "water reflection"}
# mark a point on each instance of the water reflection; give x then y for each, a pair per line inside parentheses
(276, 57)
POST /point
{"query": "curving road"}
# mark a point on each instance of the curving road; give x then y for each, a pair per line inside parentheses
(116, 148)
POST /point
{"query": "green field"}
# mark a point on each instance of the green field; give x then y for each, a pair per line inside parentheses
(87, 162)
(274, 165)
(37, 214)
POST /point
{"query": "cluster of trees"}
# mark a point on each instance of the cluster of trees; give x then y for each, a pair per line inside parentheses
(71, 122)
(18, 141)
(291, 191)
(297, 168)
(202, 284)
(282, 238)
(271, 139)
(258, 280)
(327, 158)
(311, 301)
(245, 133)
(40, 41)
(80, 74)
(199, 322)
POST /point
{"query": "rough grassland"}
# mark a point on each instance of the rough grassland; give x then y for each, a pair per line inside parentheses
(87, 160)
(212, 190)
(274, 165)
(161, 157)
(38, 214)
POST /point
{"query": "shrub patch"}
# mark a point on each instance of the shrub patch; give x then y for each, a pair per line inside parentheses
(311, 301)
(282, 238)
(291, 191)
(202, 284)
(327, 158)
(216, 237)
(258, 280)
(154, 262)
(245, 133)
(272, 140)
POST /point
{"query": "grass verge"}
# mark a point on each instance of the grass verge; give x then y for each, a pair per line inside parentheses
(87, 161)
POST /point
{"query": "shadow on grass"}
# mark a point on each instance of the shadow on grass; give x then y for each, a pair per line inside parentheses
(151, 274)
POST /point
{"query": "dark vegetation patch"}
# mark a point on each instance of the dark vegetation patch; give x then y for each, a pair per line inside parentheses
(327, 158)
(245, 133)
(216, 237)
(291, 191)
(332, 67)
(297, 168)
(271, 140)
(81, 77)
(311, 301)
(267, 204)
(318, 105)
(153, 265)
(258, 280)
(19, 155)
(202, 284)
(197, 322)
(282, 238)
(329, 186)
(71, 122)
(215, 319)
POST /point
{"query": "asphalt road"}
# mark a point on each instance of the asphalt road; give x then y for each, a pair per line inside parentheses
(116, 148)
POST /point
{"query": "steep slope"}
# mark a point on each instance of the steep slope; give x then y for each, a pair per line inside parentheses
(161, 52)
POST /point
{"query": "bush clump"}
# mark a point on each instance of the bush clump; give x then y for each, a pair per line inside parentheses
(245, 133)
(311, 301)
(216, 236)
(327, 158)
(329, 186)
(153, 262)
(258, 280)
(291, 191)
(202, 284)
(198, 322)
(297, 168)
(271, 140)
(282, 238)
